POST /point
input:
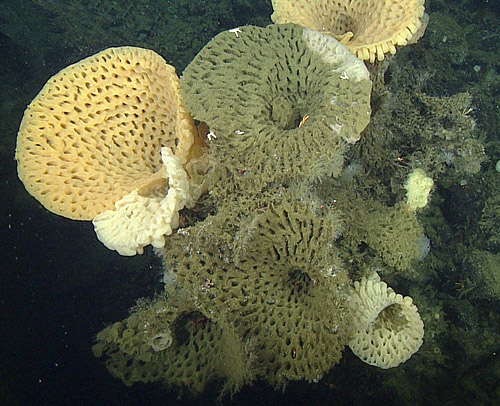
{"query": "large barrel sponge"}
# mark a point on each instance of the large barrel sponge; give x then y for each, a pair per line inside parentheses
(284, 289)
(281, 102)
(95, 131)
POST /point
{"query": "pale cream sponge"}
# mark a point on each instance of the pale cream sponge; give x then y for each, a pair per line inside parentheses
(138, 220)
(418, 188)
(387, 328)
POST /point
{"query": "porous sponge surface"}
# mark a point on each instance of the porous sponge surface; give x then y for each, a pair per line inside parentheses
(369, 28)
(278, 283)
(387, 327)
(395, 234)
(94, 132)
(133, 360)
(280, 107)
(139, 220)
(198, 350)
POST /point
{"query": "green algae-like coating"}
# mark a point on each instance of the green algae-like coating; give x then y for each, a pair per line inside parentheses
(282, 102)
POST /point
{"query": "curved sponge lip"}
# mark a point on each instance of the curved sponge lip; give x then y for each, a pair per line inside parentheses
(369, 28)
(388, 329)
(137, 221)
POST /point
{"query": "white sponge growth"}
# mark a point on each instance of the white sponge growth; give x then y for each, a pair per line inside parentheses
(418, 188)
(137, 220)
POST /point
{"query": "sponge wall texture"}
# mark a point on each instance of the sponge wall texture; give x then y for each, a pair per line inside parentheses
(282, 102)
(94, 132)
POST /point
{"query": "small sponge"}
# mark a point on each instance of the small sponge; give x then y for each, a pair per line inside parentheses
(418, 188)
(387, 327)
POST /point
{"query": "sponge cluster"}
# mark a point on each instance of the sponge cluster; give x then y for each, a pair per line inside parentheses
(286, 287)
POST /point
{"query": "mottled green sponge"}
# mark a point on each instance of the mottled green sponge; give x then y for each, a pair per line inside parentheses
(197, 353)
(281, 102)
(278, 284)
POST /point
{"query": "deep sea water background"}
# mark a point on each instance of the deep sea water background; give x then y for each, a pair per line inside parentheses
(59, 286)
